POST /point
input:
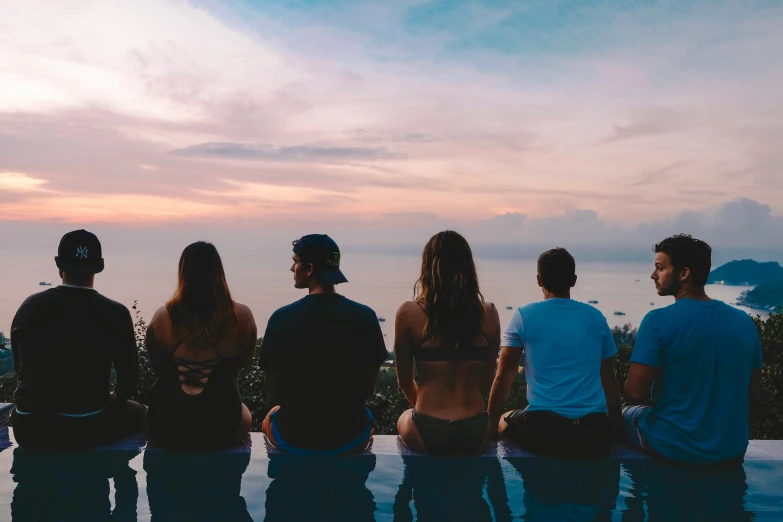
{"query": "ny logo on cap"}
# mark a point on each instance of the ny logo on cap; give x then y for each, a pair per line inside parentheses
(81, 252)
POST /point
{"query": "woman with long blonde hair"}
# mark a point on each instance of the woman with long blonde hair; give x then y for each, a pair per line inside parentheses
(453, 338)
(197, 343)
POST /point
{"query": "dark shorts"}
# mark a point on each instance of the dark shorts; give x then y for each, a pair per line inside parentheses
(52, 431)
(441, 436)
(553, 435)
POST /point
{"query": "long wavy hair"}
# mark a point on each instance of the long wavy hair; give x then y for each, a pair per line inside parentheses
(201, 309)
(449, 290)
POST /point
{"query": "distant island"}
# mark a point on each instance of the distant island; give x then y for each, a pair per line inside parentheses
(766, 296)
(746, 272)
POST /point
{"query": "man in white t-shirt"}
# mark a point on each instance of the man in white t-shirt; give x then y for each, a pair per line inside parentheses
(569, 366)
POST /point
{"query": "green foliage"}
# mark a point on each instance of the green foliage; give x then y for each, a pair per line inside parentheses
(624, 338)
(7, 387)
(766, 416)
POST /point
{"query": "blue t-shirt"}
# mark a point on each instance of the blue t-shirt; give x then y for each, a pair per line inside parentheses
(706, 351)
(564, 343)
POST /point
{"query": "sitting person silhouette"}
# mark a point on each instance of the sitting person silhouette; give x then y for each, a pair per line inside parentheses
(699, 360)
(197, 343)
(65, 341)
(453, 336)
(322, 335)
(573, 395)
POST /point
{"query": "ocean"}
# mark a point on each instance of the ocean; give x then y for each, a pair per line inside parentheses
(262, 281)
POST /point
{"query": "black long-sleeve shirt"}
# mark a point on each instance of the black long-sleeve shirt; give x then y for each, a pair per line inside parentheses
(65, 341)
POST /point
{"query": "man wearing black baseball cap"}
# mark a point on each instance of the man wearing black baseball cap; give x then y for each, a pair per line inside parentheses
(322, 335)
(65, 341)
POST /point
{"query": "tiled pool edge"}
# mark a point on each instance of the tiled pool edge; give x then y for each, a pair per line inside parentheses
(758, 450)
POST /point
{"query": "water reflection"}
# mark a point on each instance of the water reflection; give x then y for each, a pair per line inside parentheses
(568, 490)
(195, 486)
(319, 488)
(73, 486)
(452, 488)
(673, 492)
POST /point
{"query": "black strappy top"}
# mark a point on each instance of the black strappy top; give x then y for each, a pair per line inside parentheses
(195, 370)
(446, 353)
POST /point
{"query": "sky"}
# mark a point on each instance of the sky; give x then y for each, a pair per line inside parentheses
(590, 123)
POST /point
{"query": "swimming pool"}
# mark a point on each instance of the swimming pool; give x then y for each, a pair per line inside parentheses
(128, 483)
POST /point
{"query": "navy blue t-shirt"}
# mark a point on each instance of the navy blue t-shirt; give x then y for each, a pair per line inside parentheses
(324, 349)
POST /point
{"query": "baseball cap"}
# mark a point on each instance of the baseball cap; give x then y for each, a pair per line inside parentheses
(80, 253)
(323, 253)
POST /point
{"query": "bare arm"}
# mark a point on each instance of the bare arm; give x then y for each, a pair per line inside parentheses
(403, 356)
(508, 367)
(250, 334)
(611, 388)
(639, 382)
(152, 340)
(755, 385)
(488, 371)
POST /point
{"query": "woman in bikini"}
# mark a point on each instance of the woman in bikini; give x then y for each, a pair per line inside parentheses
(197, 343)
(453, 337)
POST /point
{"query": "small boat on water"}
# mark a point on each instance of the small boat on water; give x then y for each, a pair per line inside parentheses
(619, 313)
(592, 301)
(509, 308)
(43, 283)
(652, 304)
(381, 319)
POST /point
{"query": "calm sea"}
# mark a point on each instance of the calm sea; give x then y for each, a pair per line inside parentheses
(263, 282)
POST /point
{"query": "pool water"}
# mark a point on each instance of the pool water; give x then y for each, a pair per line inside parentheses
(138, 484)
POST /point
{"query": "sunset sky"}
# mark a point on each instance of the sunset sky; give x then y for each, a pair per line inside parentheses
(589, 118)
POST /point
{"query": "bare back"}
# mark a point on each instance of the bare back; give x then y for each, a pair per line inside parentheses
(451, 387)
(196, 361)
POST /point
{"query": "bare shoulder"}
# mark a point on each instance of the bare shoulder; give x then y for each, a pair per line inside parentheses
(407, 309)
(491, 312)
(161, 318)
(243, 311)
(159, 329)
(245, 316)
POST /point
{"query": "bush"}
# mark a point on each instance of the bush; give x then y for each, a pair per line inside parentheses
(766, 416)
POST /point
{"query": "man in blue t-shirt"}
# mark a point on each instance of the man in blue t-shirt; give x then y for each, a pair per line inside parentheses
(698, 359)
(569, 365)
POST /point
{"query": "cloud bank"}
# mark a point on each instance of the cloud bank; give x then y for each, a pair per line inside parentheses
(507, 120)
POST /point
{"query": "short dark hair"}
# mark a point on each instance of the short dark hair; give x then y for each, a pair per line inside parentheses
(556, 269)
(685, 251)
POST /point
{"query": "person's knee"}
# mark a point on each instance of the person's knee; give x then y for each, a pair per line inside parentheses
(503, 424)
(266, 424)
(509, 422)
(247, 418)
(631, 425)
